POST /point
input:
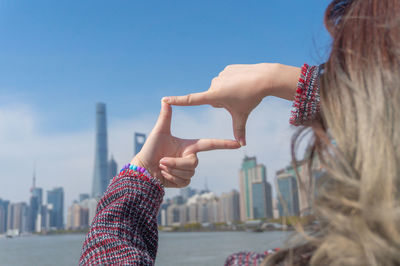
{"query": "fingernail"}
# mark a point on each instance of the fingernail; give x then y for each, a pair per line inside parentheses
(242, 142)
(163, 161)
(166, 99)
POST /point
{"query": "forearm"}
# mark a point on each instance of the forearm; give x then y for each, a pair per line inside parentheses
(280, 81)
(124, 229)
(300, 85)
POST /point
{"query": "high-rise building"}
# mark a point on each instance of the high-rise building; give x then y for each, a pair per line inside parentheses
(100, 176)
(33, 211)
(229, 207)
(186, 193)
(178, 200)
(139, 140)
(262, 200)
(55, 202)
(253, 176)
(43, 218)
(288, 197)
(91, 206)
(112, 168)
(17, 218)
(173, 215)
(35, 205)
(307, 183)
(3, 215)
(77, 217)
(83, 196)
(162, 215)
(183, 214)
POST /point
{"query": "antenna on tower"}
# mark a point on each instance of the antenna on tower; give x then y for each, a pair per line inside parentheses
(34, 177)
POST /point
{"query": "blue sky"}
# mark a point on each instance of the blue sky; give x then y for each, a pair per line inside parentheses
(65, 55)
(57, 58)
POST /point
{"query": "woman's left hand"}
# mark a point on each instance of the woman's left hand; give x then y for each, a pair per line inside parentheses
(170, 159)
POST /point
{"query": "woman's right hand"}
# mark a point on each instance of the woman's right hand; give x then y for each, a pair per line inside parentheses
(240, 88)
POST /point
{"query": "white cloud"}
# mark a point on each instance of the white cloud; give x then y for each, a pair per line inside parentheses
(67, 159)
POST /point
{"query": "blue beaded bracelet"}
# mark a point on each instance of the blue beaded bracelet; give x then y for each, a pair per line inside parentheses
(136, 168)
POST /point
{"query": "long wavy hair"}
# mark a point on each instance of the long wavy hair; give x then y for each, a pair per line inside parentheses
(357, 140)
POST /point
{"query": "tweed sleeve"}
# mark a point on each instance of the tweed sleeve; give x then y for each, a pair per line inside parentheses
(124, 229)
(306, 104)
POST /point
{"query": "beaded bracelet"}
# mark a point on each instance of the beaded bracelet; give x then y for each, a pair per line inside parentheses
(136, 168)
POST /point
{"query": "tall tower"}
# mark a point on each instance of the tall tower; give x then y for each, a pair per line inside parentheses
(139, 141)
(35, 205)
(100, 180)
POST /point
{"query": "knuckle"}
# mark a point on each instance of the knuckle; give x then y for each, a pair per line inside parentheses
(195, 161)
(189, 98)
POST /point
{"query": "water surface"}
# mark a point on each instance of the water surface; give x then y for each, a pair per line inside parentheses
(200, 248)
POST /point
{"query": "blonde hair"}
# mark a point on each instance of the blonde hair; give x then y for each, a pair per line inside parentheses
(359, 202)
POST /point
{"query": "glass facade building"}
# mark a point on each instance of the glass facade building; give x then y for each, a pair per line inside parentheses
(100, 176)
(288, 198)
(55, 203)
(255, 191)
(3, 215)
(139, 140)
(262, 207)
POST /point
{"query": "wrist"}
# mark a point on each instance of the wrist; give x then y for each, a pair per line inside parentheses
(281, 81)
(154, 172)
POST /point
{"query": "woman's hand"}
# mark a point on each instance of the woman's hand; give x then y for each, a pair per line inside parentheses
(240, 88)
(173, 160)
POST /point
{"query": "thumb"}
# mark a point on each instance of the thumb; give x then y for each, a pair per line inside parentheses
(239, 128)
(164, 119)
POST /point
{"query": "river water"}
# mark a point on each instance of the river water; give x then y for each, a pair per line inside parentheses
(200, 248)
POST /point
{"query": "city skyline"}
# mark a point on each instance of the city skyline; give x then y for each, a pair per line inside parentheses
(253, 201)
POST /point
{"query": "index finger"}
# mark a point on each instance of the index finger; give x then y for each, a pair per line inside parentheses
(213, 144)
(189, 99)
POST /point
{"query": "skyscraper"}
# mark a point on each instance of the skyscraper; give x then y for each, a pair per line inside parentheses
(17, 217)
(288, 198)
(55, 202)
(112, 168)
(35, 205)
(3, 215)
(83, 196)
(186, 193)
(229, 210)
(255, 191)
(100, 176)
(139, 141)
(262, 200)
